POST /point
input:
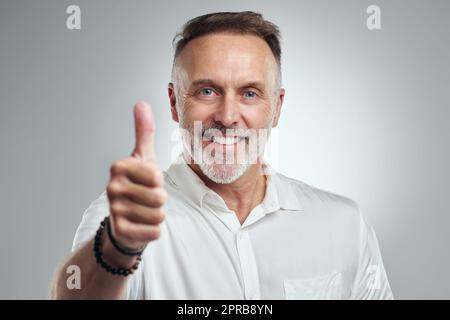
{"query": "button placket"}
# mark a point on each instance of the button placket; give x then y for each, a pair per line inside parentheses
(248, 265)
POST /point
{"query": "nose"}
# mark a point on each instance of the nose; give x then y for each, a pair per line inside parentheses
(227, 113)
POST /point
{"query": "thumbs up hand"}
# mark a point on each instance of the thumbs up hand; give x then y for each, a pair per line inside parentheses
(135, 190)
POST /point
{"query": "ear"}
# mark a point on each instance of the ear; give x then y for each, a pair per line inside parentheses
(280, 99)
(173, 102)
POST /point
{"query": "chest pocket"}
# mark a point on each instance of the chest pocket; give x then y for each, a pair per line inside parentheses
(324, 287)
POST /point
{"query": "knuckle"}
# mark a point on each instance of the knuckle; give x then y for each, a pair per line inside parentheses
(158, 177)
(160, 215)
(159, 197)
(118, 186)
(118, 167)
(164, 195)
(153, 170)
(155, 233)
(114, 187)
(117, 207)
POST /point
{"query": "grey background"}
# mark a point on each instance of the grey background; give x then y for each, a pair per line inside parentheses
(366, 115)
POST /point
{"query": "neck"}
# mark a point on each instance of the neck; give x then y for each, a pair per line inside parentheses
(242, 195)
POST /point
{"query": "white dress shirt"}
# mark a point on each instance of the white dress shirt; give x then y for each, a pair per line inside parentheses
(300, 242)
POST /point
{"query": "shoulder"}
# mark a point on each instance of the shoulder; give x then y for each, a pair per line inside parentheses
(316, 200)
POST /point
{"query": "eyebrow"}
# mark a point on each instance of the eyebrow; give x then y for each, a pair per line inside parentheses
(202, 81)
(255, 84)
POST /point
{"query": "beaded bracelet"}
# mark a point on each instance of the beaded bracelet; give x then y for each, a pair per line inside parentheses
(121, 249)
(99, 256)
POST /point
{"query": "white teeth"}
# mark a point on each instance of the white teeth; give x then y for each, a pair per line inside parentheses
(226, 140)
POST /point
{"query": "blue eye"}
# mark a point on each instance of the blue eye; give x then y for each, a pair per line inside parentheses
(206, 91)
(250, 94)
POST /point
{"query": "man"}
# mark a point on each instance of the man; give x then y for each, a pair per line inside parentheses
(211, 228)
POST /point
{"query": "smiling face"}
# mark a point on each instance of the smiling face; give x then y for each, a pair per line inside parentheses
(228, 83)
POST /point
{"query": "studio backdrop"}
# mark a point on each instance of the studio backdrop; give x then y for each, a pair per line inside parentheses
(366, 115)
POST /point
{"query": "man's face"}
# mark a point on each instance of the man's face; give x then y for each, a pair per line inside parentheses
(228, 84)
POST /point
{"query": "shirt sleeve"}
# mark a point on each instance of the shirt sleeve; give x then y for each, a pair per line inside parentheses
(90, 222)
(371, 282)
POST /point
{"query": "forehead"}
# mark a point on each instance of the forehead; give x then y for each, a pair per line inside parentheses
(228, 58)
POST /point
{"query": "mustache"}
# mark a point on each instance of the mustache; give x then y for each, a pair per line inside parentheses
(213, 129)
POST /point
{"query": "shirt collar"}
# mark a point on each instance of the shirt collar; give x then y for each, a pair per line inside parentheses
(280, 191)
(184, 178)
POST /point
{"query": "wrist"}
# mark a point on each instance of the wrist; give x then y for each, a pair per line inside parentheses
(104, 256)
(114, 257)
(125, 250)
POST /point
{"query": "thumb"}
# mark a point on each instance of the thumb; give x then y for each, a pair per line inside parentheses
(144, 125)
